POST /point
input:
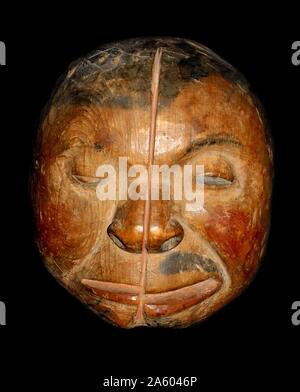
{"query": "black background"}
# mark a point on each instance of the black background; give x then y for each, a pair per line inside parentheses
(50, 339)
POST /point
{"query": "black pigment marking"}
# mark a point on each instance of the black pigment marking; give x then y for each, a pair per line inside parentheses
(98, 147)
(192, 68)
(217, 140)
(228, 72)
(180, 261)
(119, 74)
(123, 101)
(184, 46)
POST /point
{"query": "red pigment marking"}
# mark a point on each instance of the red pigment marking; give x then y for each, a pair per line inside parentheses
(235, 237)
(52, 236)
(253, 254)
(139, 317)
(59, 231)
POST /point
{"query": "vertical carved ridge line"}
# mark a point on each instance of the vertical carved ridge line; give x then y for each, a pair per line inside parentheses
(139, 318)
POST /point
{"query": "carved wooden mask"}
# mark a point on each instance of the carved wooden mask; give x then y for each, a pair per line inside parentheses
(139, 262)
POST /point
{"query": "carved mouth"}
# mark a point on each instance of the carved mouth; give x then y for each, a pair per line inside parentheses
(155, 305)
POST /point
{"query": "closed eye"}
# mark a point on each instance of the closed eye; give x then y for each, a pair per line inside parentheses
(86, 180)
(216, 181)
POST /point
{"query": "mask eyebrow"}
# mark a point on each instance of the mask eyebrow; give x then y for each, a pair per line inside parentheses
(217, 139)
(79, 142)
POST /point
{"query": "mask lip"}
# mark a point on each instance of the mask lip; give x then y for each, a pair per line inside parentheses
(157, 304)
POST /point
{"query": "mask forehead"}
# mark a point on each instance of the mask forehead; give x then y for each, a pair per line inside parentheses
(212, 106)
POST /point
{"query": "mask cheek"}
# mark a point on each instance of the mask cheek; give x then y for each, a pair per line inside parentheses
(66, 220)
(238, 239)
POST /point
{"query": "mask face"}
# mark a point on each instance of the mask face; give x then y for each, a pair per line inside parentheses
(156, 263)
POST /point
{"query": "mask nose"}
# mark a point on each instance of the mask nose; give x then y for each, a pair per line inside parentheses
(127, 231)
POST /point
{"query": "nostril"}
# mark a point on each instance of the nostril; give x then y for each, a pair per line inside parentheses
(126, 232)
(115, 239)
(170, 243)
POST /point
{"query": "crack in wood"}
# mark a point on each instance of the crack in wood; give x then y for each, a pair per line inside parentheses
(156, 68)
